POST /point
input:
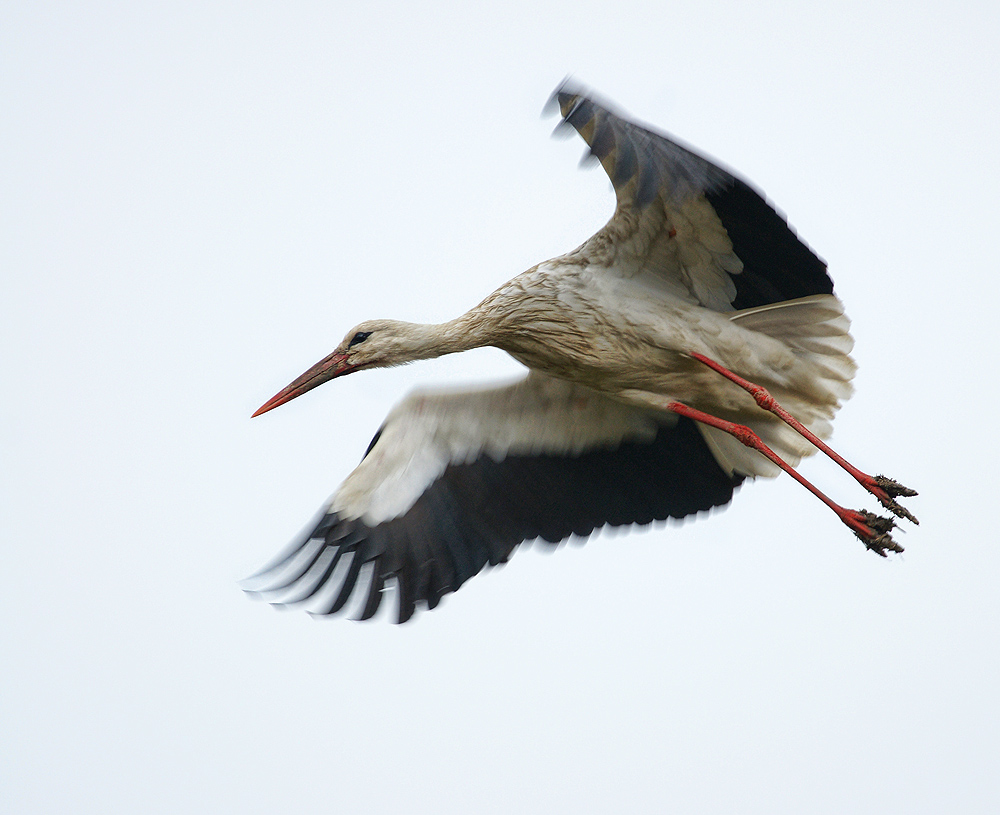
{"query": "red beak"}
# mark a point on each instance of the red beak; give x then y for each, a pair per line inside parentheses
(333, 366)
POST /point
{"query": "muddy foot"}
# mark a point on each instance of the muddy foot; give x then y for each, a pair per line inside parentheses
(887, 490)
(894, 488)
(875, 533)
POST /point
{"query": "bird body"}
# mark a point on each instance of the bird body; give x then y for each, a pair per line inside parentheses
(625, 338)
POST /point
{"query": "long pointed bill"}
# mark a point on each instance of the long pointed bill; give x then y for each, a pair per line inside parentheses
(333, 366)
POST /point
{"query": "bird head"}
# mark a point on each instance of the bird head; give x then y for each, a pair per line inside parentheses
(372, 344)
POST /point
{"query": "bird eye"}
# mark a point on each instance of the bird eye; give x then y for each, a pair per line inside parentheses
(358, 338)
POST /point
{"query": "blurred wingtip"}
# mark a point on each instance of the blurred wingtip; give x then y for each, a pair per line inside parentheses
(551, 106)
(569, 86)
(563, 130)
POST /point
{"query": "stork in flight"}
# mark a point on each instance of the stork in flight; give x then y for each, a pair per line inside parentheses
(657, 353)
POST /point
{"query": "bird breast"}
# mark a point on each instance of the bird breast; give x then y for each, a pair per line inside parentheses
(570, 325)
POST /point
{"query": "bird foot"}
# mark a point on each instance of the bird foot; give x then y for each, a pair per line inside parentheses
(894, 488)
(887, 490)
(873, 531)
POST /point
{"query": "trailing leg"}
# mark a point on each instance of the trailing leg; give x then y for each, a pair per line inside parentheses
(873, 530)
(884, 489)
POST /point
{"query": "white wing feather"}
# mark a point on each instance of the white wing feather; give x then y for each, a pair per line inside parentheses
(429, 430)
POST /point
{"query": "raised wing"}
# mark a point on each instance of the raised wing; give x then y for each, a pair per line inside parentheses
(681, 216)
(455, 481)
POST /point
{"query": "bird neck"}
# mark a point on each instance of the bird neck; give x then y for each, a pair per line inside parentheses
(430, 340)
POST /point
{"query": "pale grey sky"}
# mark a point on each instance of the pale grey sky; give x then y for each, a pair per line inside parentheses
(198, 201)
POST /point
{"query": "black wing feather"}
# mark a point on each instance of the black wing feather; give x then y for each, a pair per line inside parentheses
(477, 513)
(778, 265)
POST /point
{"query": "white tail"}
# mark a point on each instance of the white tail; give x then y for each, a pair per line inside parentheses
(818, 332)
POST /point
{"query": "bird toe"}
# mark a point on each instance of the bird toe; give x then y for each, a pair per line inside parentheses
(894, 488)
(890, 490)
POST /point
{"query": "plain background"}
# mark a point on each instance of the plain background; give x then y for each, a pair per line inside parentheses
(199, 200)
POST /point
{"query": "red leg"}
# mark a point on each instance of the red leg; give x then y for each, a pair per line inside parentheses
(885, 489)
(871, 529)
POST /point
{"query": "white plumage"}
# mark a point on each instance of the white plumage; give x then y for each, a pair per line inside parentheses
(428, 431)
(634, 409)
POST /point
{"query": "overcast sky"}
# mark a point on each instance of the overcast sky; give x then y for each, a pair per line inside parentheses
(197, 202)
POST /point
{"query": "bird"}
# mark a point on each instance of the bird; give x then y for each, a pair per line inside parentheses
(693, 342)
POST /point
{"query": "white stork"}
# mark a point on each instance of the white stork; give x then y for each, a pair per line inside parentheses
(641, 346)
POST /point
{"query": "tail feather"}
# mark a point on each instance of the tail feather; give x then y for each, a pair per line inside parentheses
(817, 330)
